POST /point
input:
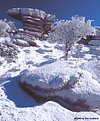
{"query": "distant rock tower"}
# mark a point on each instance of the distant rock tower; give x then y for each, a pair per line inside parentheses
(35, 22)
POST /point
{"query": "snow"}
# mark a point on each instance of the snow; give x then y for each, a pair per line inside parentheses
(47, 62)
(49, 111)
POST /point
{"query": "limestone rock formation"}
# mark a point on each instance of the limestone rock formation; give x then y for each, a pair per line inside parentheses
(35, 22)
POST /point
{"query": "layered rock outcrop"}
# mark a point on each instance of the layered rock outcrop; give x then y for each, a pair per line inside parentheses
(35, 22)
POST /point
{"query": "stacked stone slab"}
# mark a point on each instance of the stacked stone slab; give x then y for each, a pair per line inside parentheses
(35, 22)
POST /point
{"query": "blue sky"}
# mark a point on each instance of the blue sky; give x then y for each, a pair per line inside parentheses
(63, 9)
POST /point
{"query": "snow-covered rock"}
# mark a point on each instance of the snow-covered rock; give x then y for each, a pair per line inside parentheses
(8, 50)
(5, 28)
(20, 42)
(67, 83)
(21, 38)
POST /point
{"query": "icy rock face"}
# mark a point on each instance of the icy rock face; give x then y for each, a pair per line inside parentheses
(8, 50)
(35, 22)
(73, 88)
(24, 40)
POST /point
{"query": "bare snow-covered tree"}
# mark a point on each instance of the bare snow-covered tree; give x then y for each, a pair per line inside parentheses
(70, 31)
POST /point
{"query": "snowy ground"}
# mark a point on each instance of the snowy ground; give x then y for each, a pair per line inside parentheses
(17, 105)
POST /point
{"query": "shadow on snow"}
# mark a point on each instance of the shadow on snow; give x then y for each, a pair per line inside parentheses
(17, 95)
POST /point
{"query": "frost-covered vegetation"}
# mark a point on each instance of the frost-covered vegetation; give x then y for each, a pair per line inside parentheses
(71, 31)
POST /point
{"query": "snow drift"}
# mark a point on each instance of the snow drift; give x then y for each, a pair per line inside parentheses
(48, 111)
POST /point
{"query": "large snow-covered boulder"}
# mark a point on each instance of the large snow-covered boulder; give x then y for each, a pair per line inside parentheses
(73, 87)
